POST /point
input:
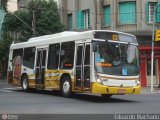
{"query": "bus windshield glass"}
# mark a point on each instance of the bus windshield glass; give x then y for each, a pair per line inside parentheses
(115, 58)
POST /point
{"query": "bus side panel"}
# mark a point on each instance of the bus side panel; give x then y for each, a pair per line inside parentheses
(10, 68)
(52, 78)
(31, 76)
(17, 66)
(17, 75)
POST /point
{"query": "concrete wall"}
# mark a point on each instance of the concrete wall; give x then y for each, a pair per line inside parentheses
(97, 19)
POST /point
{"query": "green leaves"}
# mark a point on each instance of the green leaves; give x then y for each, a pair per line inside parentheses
(3, 4)
(47, 19)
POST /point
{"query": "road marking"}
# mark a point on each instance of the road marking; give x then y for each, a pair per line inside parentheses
(10, 89)
(15, 88)
(5, 90)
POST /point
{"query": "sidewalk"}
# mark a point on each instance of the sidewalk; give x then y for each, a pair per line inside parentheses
(147, 90)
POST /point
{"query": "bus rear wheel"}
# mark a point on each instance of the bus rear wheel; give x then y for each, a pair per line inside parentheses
(66, 87)
(24, 83)
(106, 96)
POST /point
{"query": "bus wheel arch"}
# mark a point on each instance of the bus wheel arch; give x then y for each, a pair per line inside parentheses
(66, 85)
(24, 82)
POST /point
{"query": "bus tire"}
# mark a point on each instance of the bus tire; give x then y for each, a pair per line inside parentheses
(66, 87)
(24, 84)
(106, 96)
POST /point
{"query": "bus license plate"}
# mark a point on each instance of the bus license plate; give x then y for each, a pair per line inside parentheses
(121, 91)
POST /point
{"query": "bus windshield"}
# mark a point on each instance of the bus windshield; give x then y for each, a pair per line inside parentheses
(117, 58)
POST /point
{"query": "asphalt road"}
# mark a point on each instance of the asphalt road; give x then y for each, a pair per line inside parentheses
(14, 100)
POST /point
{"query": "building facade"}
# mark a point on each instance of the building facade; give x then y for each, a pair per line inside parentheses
(2, 13)
(131, 16)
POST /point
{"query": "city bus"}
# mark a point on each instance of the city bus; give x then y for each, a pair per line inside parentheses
(97, 61)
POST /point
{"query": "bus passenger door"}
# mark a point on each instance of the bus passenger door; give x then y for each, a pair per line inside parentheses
(40, 67)
(83, 67)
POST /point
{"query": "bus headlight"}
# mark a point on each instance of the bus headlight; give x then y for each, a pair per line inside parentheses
(99, 80)
(137, 82)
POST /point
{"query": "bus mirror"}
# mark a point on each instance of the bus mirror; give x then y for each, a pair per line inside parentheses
(95, 46)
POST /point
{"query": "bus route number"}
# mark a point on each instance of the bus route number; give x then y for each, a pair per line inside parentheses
(115, 37)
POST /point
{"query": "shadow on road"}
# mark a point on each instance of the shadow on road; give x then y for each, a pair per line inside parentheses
(83, 97)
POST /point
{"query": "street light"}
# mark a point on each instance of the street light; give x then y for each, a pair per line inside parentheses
(152, 55)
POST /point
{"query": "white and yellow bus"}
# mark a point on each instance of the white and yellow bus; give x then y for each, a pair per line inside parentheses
(97, 61)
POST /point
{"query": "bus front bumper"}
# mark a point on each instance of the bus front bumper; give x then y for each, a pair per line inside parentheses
(102, 89)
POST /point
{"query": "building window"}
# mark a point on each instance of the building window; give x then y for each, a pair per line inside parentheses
(150, 7)
(127, 12)
(79, 20)
(83, 19)
(70, 28)
(149, 67)
(1, 21)
(151, 12)
(86, 19)
(107, 15)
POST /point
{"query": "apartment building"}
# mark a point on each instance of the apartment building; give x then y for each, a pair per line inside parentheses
(131, 16)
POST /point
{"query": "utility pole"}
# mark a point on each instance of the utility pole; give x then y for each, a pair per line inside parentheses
(33, 23)
(33, 20)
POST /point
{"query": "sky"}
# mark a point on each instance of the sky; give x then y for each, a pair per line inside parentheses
(12, 5)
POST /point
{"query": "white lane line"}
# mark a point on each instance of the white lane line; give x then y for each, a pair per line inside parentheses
(5, 90)
(10, 89)
(15, 88)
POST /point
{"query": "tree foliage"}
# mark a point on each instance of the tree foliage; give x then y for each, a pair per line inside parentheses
(47, 19)
(3, 4)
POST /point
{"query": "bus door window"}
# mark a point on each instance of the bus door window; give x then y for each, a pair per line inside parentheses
(79, 65)
(40, 66)
(87, 66)
(83, 66)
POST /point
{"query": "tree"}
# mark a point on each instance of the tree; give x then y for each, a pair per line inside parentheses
(3, 53)
(3, 4)
(43, 13)
(47, 19)
(18, 23)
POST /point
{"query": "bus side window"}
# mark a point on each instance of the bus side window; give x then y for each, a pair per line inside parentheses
(67, 58)
(53, 56)
(17, 53)
(29, 57)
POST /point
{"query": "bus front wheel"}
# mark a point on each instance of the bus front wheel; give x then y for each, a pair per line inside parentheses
(25, 83)
(66, 87)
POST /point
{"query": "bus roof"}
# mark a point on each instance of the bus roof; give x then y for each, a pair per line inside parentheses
(58, 38)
